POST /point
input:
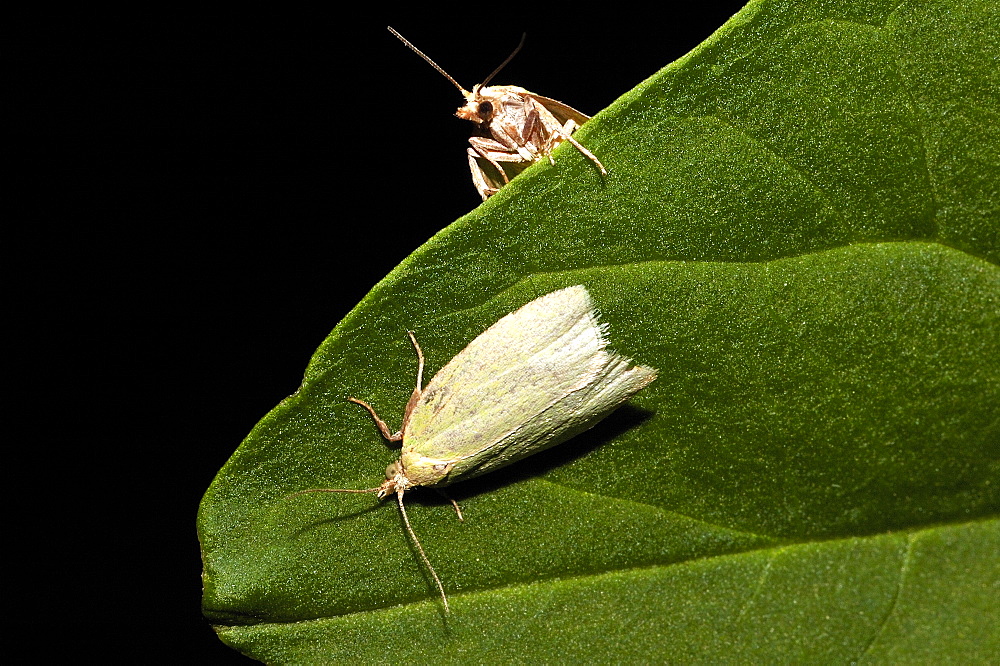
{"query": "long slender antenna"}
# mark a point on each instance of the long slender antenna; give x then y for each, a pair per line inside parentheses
(331, 490)
(496, 71)
(399, 498)
(432, 63)
(409, 530)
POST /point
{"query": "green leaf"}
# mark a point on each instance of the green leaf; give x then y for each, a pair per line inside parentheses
(800, 230)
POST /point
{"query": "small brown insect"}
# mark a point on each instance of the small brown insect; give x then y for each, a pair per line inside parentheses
(516, 128)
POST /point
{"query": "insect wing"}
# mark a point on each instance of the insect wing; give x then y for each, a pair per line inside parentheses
(532, 380)
(523, 112)
(614, 383)
(474, 396)
(562, 112)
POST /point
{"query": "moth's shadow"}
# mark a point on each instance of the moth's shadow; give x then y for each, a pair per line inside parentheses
(618, 422)
(336, 518)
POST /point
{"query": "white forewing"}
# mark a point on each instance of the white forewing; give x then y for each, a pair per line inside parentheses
(533, 379)
(521, 364)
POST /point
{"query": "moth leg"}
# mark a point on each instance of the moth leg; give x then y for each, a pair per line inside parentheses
(453, 503)
(418, 390)
(486, 189)
(383, 428)
(568, 129)
(493, 152)
(420, 361)
(560, 135)
(496, 152)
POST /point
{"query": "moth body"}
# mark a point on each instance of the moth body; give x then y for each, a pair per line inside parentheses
(516, 128)
(534, 379)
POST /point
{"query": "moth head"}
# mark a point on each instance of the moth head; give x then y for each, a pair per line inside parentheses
(395, 480)
(478, 107)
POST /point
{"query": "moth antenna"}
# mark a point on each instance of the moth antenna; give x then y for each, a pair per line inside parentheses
(420, 549)
(432, 63)
(496, 71)
(330, 490)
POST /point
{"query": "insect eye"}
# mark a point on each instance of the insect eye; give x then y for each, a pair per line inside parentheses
(485, 109)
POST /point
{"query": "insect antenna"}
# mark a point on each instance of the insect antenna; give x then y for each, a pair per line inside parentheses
(409, 529)
(496, 71)
(331, 490)
(420, 549)
(432, 63)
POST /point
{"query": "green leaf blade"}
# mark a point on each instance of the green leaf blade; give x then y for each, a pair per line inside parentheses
(800, 229)
(783, 604)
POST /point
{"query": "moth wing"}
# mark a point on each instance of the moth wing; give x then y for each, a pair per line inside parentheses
(562, 112)
(523, 385)
(520, 365)
(615, 382)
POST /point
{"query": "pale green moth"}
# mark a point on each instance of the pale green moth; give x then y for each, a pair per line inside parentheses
(532, 380)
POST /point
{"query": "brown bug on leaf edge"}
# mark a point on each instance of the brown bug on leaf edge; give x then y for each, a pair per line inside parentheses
(516, 127)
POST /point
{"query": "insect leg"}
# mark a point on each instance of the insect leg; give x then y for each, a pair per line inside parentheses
(418, 389)
(420, 361)
(493, 152)
(458, 510)
(570, 127)
(391, 436)
(486, 189)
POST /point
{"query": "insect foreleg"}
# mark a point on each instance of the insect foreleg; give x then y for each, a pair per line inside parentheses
(388, 434)
(493, 152)
(486, 189)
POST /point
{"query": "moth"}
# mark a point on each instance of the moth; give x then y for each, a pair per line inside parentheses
(514, 127)
(535, 378)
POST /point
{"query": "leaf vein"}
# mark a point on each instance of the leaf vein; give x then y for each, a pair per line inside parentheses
(903, 570)
(767, 148)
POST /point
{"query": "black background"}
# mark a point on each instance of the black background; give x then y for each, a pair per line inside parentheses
(203, 197)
